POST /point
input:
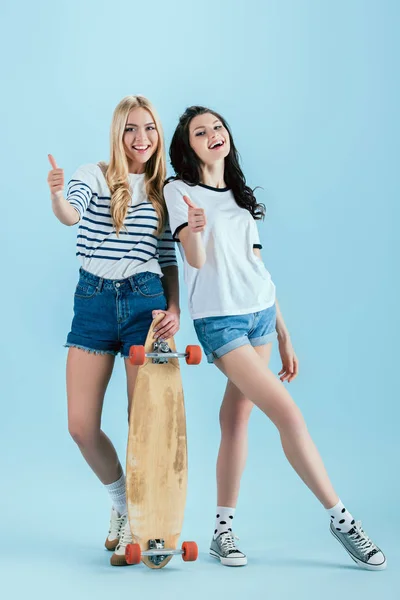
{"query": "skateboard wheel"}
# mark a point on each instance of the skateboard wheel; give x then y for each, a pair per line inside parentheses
(133, 554)
(193, 355)
(137, 355)
(190, 550)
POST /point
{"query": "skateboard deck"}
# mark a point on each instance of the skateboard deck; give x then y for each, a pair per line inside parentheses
(156, 467)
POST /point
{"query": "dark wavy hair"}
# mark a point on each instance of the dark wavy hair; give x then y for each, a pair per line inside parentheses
(186, 163)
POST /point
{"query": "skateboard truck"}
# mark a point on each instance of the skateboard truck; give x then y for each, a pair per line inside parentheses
(157, 553)
(160, 348)
(157, 559)
(162, 353)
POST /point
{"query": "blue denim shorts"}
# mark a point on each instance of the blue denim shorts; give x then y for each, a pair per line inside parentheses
(220, 335)
(110, 315)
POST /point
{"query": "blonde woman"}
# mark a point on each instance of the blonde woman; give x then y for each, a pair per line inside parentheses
(128, 274)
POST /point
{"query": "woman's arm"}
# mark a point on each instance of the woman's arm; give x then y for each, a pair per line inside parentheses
(190, 236)
(290, 363)
(170, 283)
(187, 222)
(193, 246)
(281, 329)
(169, 325)
(62, 209)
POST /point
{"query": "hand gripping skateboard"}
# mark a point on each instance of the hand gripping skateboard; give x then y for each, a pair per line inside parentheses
(156, 467)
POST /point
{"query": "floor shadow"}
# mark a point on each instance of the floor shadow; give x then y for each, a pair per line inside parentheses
(284, 562)
(303, 563)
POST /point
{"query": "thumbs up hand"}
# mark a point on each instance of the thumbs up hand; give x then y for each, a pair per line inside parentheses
(197, 220)
(55, 178)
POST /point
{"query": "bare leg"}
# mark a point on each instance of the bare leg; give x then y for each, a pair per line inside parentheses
(248, 372)
(87, 380)
(234, 418)
(131, 374)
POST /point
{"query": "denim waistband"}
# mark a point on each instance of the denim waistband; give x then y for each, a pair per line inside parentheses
(131, 282)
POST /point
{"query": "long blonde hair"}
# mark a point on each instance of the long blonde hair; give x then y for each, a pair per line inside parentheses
(117, 173)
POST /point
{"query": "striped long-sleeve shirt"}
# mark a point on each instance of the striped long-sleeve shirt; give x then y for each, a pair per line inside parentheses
(98, 248)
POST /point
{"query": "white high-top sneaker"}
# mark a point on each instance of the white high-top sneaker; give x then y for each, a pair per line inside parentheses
(125, 537)
(114, 532)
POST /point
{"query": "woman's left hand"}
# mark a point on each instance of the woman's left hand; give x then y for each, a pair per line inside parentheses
(290, 363)
(169, 326)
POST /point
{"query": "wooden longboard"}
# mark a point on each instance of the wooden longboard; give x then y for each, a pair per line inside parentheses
(156, 466)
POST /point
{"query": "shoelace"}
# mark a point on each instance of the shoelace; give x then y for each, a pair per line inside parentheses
(126, 536)
(228, 542)
(115, 527)
(361, 540)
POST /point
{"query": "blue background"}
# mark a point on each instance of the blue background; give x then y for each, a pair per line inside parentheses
(311, 91)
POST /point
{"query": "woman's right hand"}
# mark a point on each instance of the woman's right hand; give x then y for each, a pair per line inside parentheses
(197, 220)
(55, 178)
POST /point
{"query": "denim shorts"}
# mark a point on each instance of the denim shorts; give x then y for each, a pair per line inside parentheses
(110, 315)
(220, 335)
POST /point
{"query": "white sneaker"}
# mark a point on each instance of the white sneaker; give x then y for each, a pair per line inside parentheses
(116, 522)
(125, 537)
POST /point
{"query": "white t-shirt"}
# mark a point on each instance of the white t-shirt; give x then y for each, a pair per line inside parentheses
(233, 281)
(98, 248)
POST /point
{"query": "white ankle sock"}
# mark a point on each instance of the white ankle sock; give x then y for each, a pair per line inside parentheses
(117, 492)
(341, 518)
(223, 520)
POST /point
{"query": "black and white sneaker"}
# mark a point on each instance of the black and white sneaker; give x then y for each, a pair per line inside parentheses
(224, 548)
(361, 549)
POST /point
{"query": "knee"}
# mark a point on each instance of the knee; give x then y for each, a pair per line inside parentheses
(290, 420)
(235, 420)
(82, 435)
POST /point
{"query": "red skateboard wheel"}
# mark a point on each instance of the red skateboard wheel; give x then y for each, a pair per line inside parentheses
(190, 551)
(193, 355)
(133, 554)
(137, 355)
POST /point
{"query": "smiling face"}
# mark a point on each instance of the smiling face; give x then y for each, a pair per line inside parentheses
(140, 138)
(209, 138)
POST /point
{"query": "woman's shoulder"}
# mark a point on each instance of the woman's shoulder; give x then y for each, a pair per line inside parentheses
(91, 169)
(91, 174)
(175, 183)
